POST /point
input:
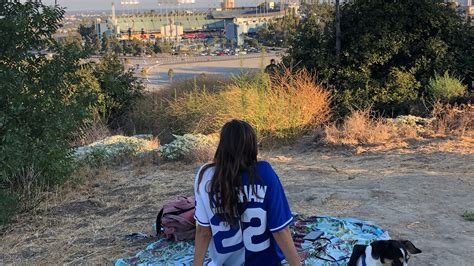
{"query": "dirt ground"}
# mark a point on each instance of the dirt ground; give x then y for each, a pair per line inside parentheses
(416, 193)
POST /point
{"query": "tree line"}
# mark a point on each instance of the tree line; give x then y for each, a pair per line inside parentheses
(395, 55)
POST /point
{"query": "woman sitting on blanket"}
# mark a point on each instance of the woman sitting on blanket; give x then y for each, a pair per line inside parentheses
(242, 213)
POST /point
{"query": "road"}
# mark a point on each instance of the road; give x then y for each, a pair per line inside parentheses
(188, 67)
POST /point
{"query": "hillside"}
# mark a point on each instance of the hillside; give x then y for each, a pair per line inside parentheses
(417, 192)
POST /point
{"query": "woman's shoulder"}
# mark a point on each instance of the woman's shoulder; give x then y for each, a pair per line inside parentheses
(263, 164)
(265, 169)
(204, 171)
(206, 166)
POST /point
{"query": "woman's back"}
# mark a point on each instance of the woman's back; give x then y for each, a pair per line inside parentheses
(264, 210)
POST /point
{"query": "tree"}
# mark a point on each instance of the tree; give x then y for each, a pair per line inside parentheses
(385, 46)
(310, 45)
(73, 42)
(170, 74)
(156, 48)
(105, 45)
(251, 42)
(43, 100)
(119, 88)
(115, 46)
(138, 48)
(90, 37)
(276, 34)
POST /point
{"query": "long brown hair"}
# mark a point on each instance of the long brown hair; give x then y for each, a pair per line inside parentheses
(236, 153)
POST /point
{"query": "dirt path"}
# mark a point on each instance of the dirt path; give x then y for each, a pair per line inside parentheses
(417, 193)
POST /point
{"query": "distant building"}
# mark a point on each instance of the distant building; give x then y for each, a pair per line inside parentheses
(233, 23)
(228, 4)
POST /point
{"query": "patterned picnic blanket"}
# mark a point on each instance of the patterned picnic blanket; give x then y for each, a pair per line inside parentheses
(334, 248)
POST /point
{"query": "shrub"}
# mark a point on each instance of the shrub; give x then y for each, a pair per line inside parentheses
(119, 89)
(420, 124)
(106, 150)
(281, 109)
(148, 115)
(454, 120)
(92, 131)
(8, 204)
(190, 147)
(360, 127)
(42, 101)
(468, 216)
(400, 89)
(445, 87)
(284, 108)
(195, 112)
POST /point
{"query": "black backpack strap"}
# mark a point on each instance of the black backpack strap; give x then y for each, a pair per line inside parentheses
(180, 211)
(159, 217)
(158, 222)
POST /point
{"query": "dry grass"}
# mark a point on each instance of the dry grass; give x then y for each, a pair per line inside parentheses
(453, 120)
(148, 114)
(284, 108)
(91, 132)
(89, 224)
(200, 155)
(360, 127)
(81, 181)
(289, 106)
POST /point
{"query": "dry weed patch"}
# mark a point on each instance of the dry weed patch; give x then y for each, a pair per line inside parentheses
(361, 127)
(453, 120)
(284, 107)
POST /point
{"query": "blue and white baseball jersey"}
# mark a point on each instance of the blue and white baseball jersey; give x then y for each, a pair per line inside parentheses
(251, 242)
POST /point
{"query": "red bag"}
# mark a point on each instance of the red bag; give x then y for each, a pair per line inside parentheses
(176, 219)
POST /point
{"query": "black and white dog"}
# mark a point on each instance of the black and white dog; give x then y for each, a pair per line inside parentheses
(383, 252)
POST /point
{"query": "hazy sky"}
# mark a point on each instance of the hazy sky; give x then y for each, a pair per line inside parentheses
(144, 4)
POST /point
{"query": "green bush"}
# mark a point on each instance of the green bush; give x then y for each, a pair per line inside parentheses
(8, 205)
(42, 101)
(445, 87)
(468, 216)
(389, 51)
(186, 146)
(119, 89)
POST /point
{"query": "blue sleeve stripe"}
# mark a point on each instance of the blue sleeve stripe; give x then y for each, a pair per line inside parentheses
(201, 223)
(282, 226)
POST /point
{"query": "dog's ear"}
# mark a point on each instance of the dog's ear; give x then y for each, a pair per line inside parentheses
(410, 247)
(356, 253)
(377, 248)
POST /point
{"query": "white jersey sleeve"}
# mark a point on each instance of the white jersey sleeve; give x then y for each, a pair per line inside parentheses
(200, 214)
